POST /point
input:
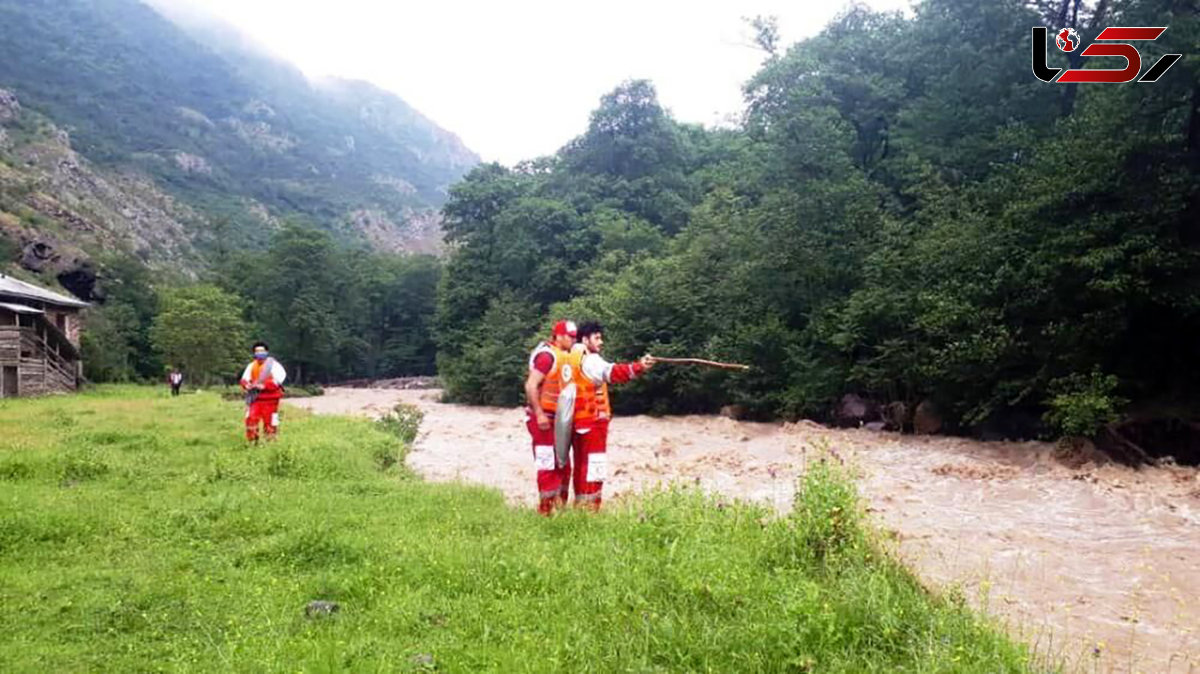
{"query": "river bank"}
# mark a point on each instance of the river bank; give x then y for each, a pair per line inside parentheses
(1095, 563)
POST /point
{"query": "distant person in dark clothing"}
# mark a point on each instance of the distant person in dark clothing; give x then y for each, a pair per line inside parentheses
(175, 379)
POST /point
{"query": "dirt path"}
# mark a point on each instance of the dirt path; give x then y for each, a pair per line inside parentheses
(1097, 564)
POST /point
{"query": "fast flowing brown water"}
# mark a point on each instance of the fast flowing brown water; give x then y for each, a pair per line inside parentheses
(1097, 566)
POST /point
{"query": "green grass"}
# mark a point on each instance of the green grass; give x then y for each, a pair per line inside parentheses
(138, 533)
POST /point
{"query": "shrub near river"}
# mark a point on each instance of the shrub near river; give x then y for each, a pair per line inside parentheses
(137, 532)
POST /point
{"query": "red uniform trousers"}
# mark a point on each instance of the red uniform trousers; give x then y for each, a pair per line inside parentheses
(552, 482)
(266, 412)
(591, 465)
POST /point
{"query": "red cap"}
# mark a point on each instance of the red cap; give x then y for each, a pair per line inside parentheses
(564, 328)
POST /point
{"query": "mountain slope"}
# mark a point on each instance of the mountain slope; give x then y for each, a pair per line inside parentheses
(58, 209)
(241, 138)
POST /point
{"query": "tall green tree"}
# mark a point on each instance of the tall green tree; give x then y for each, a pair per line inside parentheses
(393, 315)
(116, 342)
(109, 351)
(200, 329)
(335, 312)
(296, 286)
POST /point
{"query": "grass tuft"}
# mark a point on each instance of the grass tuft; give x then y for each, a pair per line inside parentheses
(82, 464)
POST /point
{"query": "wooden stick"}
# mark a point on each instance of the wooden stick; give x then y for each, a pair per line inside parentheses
(701, 361)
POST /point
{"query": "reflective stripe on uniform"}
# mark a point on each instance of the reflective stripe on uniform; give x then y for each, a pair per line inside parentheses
(597, 467)
(543, 457)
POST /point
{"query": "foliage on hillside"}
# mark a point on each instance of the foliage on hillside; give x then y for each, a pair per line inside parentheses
(230, 132)
(904, 213)
(61, 214)
(333, 312)
(329, 312)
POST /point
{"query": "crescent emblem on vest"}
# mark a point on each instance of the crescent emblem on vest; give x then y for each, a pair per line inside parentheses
(566, 373)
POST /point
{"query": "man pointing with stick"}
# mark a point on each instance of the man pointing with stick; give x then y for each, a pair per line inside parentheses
(568, 409)
(593, 412)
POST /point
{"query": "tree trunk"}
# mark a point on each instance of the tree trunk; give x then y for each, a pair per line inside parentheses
(1193, 137)
(1191, 220)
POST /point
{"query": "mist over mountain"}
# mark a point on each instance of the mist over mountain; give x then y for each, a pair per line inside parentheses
(227, 141)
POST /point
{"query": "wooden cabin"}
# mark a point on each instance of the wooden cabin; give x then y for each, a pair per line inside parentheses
(39, 340)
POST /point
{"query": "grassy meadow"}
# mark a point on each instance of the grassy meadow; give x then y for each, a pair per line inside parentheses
(138, 532)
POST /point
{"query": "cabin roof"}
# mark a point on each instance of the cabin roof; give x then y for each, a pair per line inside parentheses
(12, 288)
(20, 308)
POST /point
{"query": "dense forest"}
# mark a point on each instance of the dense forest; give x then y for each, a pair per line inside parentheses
(906, 213)
(330, 311)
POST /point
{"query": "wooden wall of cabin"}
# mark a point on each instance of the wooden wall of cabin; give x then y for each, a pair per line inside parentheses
(68, 320)
(10, 338)
(10, 353)
(21, 346)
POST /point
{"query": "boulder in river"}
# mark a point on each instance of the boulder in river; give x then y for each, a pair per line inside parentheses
(733, 412)
(927, 420)
(896, 416)
(854, 410)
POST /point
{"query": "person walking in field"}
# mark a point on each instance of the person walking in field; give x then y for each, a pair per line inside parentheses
(593, 412)
(263, 383)
(552, 365)
(175, 379)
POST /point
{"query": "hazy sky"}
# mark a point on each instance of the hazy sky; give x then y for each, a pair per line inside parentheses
(517, 79)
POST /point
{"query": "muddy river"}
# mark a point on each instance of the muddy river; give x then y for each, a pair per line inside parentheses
(1093, 565)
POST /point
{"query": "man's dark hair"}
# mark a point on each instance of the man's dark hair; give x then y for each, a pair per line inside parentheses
(262, 344)
(589, 329)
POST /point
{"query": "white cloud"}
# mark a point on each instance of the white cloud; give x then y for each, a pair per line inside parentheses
(515, 81)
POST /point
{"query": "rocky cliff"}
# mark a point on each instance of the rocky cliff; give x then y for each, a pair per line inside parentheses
(58, 209)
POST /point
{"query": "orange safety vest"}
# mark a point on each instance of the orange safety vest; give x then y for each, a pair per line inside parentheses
(591, 400)
(274, 392)
(256, 371)
(566, 365)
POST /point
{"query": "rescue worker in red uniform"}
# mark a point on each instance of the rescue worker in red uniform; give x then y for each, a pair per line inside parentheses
(593, 412)
(551, 366)
(263, 383)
